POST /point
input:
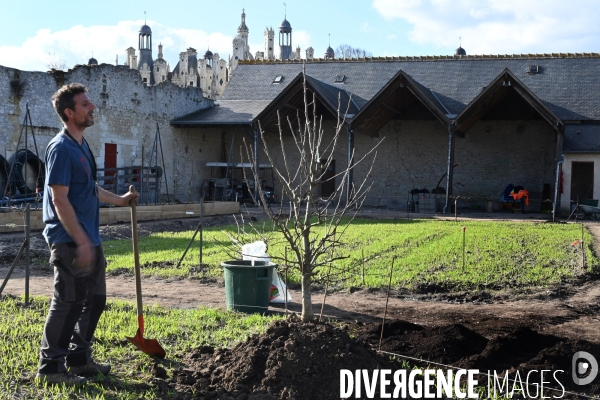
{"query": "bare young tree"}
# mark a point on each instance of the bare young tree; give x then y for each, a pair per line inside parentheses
(347, 51)
(312, 225)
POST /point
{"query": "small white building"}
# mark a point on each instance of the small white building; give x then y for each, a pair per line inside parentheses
(579, 174)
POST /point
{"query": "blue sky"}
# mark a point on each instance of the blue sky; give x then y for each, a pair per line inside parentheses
(37, 32)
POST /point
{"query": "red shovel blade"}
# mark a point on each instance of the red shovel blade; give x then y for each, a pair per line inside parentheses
(148, 346)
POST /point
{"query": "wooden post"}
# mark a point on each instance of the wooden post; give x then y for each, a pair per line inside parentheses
(387, 297)
(27, 260)
(363, 267)
(464, 229)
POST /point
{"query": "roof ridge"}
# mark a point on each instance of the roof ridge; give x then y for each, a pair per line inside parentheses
(430, 58)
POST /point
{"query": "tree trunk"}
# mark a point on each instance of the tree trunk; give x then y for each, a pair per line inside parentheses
(307, 309)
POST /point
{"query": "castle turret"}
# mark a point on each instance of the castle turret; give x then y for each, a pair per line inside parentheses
(241, 49)
(329, 53)
(269, 44)
(310, 53)
(285, 40)
(145, 62)
(160, 71)
(131, 58)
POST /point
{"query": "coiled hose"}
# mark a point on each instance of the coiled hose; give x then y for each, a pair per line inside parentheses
(35, 171)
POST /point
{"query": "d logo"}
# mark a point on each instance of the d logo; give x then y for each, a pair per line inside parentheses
(582, 363)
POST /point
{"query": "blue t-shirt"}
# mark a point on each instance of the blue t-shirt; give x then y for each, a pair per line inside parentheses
(66, 164)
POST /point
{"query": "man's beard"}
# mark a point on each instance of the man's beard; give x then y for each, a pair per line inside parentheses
(86, 123)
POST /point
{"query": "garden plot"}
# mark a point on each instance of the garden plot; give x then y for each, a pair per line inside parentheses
(471, 322)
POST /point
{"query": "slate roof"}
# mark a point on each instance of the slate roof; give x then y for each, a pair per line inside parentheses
(330, 93)
(569, 86)
(581, 138)
(228, 112)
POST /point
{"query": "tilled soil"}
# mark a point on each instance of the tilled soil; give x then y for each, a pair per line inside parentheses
(295, 360)
(521, 349)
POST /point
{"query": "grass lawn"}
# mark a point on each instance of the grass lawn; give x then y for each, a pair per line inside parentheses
(178, 331)
(496, 254)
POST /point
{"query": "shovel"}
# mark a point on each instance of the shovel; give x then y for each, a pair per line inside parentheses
(148, 346)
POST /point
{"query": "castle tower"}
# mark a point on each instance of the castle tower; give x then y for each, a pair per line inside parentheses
(285, 40)
(243, 29)
(208, 56)
(310, 53)
(131, 58)
(329, 53)
(145, 63)
(460, 51)
(269, 44)
(241, 49)
(160, 71)
(221, 75)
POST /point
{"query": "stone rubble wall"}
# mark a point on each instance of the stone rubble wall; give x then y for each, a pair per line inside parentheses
(127, 114)
(414, 153)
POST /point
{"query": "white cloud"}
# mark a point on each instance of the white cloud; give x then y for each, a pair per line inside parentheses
(499, 26)
(302, 39)
(365, 28)
(76, 45)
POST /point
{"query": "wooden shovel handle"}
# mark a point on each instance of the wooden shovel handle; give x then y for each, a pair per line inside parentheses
(136, 255)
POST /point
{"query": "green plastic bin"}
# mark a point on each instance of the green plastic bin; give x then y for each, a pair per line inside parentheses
(248, 285)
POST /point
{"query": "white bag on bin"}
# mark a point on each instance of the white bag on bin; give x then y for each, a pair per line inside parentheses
(257, 252)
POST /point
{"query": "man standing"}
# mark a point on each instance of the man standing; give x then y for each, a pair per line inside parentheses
(72, 216)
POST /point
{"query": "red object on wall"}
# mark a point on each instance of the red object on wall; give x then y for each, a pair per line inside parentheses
(110, 161)
(560, 182)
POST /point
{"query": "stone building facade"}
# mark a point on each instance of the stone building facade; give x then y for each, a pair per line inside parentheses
(128, 115)
(209, 73)
(468, 126)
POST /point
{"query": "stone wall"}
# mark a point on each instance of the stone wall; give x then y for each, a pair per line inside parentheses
(413, 154)
(127, 114)
(492, 154)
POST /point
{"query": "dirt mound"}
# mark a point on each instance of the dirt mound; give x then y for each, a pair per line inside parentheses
(294, 360)
(291, 360)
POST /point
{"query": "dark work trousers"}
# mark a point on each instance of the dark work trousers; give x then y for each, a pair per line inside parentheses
(76, 307)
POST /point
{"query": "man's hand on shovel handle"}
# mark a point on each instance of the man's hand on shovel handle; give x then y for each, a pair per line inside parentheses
(130, 197)
(123, 200)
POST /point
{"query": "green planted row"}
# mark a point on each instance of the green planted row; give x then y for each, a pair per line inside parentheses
(486, 255)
